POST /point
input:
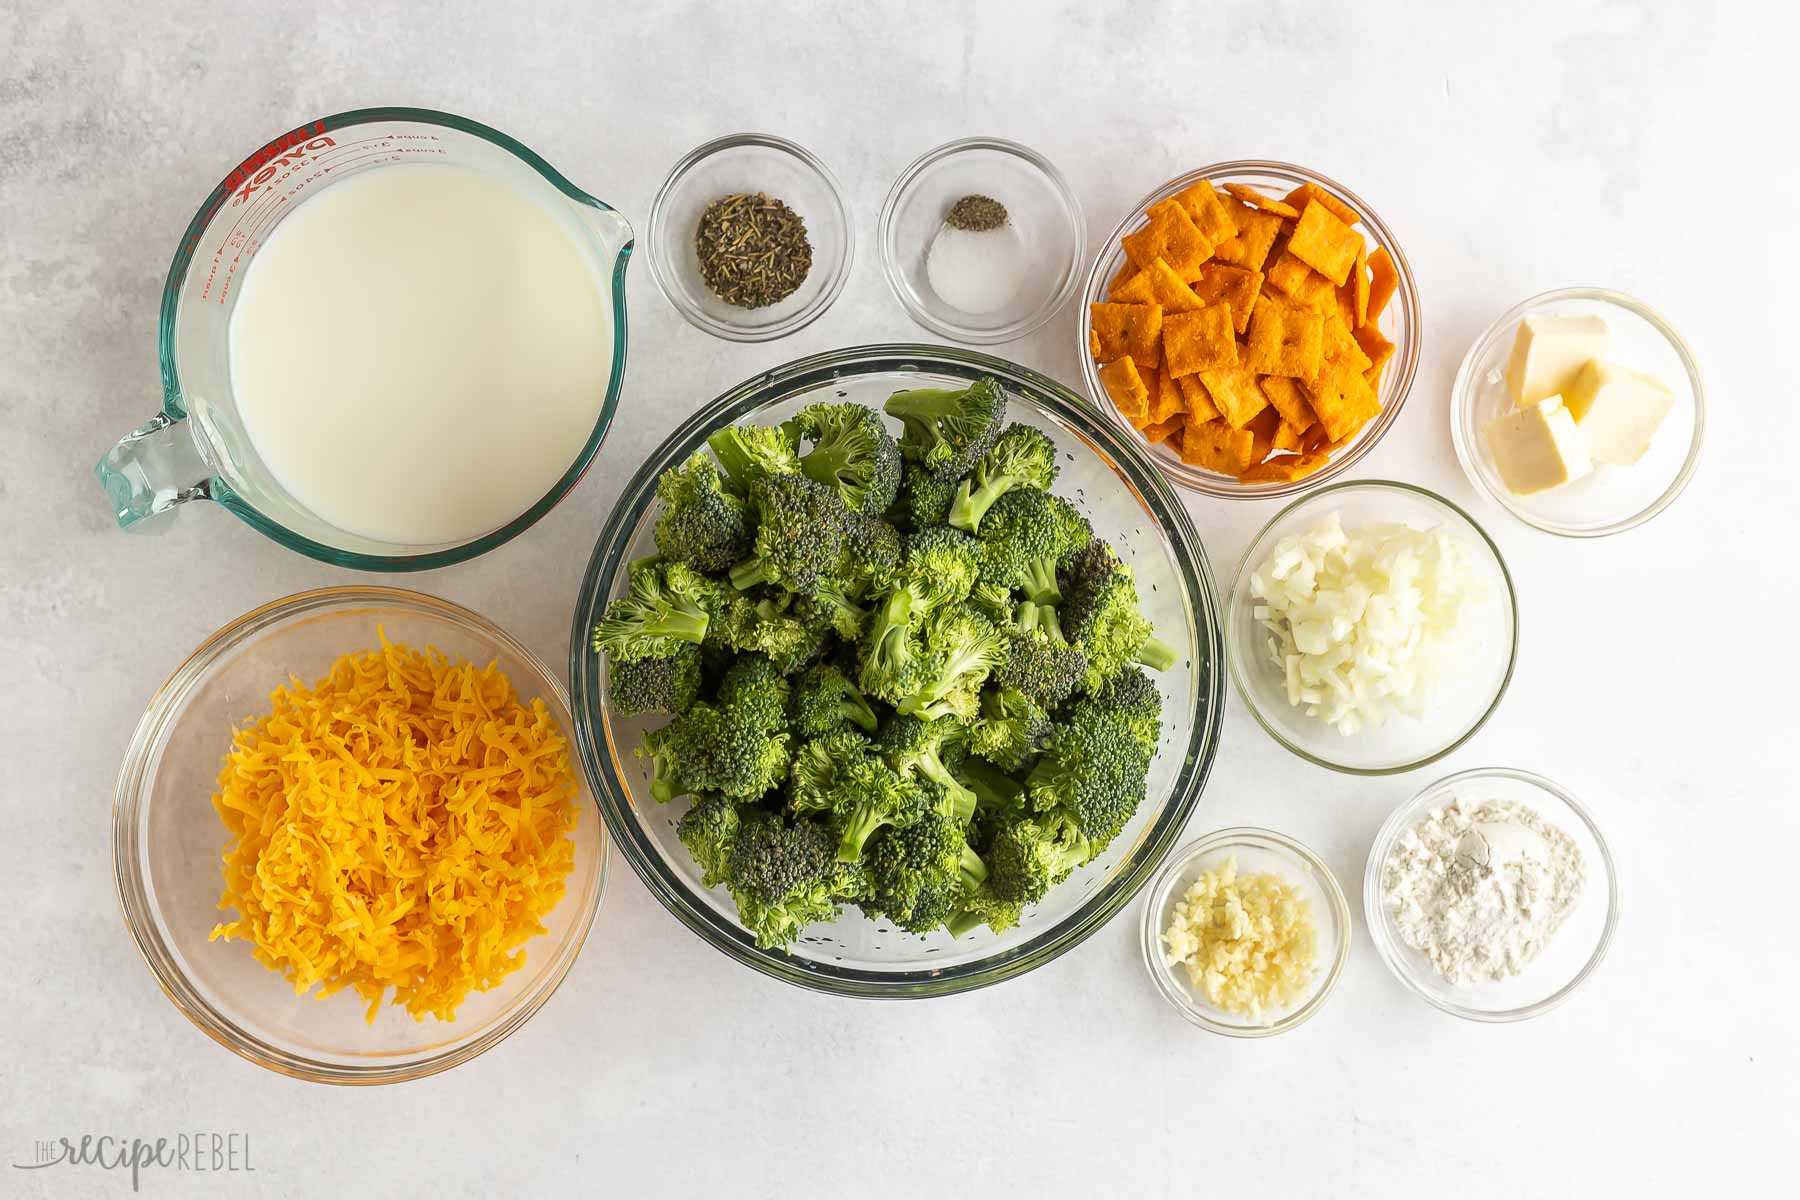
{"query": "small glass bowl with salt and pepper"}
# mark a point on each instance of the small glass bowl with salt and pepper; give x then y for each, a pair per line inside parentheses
(982, 240)
(750, 237)
(1569, 952)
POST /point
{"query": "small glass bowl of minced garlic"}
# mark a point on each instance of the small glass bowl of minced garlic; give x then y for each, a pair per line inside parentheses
(982, 240)
(1246, 932)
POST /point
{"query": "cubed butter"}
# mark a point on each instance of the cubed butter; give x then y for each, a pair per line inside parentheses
(1549, 351)
(1617, 410)
(1537, 447)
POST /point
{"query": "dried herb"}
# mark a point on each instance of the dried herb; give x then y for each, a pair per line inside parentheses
(977, 214)
(753, 249)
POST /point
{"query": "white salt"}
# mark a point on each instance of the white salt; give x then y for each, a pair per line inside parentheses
(976, 272)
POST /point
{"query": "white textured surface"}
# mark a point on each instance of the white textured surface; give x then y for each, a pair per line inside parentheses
(1512, 148)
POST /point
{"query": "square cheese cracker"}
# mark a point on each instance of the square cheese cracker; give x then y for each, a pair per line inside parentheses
(1200, 340)
(1208, 211)
(1324, 243)
(1235, 286)
(1235, 394)
(1122, 382)
(1134, 329)
(1285, 340)
(1168, 234)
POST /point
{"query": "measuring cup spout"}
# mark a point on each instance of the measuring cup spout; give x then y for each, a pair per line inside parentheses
(613, 230)
(153, 468)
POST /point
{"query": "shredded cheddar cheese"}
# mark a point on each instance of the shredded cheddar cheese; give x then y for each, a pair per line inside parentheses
(402, 823)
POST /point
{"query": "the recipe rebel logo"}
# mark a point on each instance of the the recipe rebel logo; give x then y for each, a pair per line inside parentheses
(199, 1152)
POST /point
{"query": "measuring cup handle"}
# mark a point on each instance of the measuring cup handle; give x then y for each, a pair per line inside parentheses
(153, 468)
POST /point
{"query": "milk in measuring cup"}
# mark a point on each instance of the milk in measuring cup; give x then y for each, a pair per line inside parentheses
(420, 352)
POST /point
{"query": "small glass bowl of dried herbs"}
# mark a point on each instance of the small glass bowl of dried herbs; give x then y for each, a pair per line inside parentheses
(750, 237)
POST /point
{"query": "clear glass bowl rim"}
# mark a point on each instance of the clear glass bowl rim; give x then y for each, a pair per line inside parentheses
(1406, 362)
(1403, 817)
(1242, 573)
(663, 272)
(890, 268)
(1462, 433)
(615, 805)
(129, 883)
(1156, 897)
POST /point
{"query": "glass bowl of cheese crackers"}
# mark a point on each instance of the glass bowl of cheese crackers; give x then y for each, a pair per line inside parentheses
(1256, 324)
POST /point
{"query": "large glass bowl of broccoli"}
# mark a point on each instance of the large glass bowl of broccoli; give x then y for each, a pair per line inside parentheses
(897, 671)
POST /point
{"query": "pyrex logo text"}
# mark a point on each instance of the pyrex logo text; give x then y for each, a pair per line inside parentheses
(287, 150)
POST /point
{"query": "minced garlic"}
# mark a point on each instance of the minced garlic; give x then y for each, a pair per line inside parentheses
(1249, 944)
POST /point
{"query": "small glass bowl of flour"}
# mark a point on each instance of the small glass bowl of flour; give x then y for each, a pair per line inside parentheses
(982, 240)
(1491, 894)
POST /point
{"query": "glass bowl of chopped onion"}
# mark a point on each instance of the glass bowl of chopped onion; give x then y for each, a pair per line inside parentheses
(1246, 932)
(1372, 627)
(533, 886)
(772, 181)
(1126, 502)
(1535, 973)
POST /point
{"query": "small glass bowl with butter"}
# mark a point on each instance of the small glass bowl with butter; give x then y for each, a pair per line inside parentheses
(1599, 497)
(1255, 852)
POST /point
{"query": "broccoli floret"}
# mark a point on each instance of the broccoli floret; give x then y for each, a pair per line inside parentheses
(818, 765)
(872, 552)
(708, 829)
(1101, 616)
(862, 795)
(937, 572)
(799, 535)
(982, 907)
(1025, 536)
(783, 876)
(853, 452)
(947, 432)
(1093, 768)
(645, 685)
(1031, 856)
(1023, 457)
(750, 454)
(961, 647)
(823, 700)
(919, 876)
(924, 499)
(1132, 695)
(1038, 662)
(708, 750)
(754, 690)
(667, 605)
(1009, 730)
(792, 636)
(927, 749)
(702, 524)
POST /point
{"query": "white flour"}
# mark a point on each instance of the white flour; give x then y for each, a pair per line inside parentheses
(1480, 888)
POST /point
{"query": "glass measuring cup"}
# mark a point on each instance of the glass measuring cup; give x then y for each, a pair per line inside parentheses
(196, 448)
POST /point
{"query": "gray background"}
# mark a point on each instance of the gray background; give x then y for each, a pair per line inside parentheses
(1512, 148)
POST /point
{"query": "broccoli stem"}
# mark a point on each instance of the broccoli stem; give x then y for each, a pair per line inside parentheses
(971, 504)
(1157, 655)
(993, 788)
(863, 823)
(920, 410)
(749, 573)
(974, 871)
(1033, 616)
(962, 922)
(1040, 582)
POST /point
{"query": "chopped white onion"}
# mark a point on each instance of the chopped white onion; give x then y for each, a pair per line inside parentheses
(1366, 622)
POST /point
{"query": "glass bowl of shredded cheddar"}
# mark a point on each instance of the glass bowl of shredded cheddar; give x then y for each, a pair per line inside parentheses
(351, 839)
(1245, 932)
